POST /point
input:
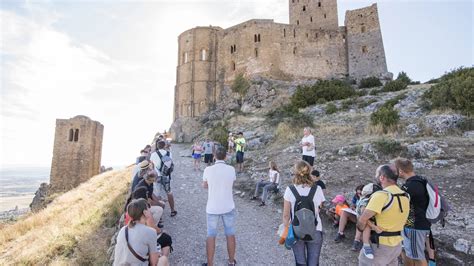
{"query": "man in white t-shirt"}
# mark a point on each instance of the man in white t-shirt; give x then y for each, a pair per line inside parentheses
(308, 146)
(219, 180)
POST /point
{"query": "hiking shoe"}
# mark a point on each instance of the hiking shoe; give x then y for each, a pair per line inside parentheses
(339, 238)
(253, 198)
(262, 204)
(356, 245)
(369, 252)
(232, 263)
(431, 262)
(335, 225)
(160, 223)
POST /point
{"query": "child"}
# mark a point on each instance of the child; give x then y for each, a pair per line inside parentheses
(355, 199)
(366, 192)
(271, 184)
(335, 212)
(230, 141)
(317, 180)
(197, 150)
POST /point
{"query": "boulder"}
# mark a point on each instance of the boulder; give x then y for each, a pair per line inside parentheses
(469, 134)
(425, 149)
(39, 200)
(442, 124)
(412, 130)
(462, 245)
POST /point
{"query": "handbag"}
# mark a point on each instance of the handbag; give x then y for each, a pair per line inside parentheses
(140, 258)
(290, 240)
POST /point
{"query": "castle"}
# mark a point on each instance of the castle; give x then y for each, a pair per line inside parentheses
(77, 152)
(312, 46)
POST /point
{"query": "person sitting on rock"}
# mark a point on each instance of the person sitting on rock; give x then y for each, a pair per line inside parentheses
(143, 168)
(335, 212)
(267, 185)
(348, 214)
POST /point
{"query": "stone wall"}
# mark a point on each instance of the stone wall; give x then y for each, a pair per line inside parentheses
(77, 152)
(316, 14)
(366, 55)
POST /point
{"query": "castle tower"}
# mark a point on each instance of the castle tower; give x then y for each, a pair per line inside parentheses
(196, 72)
(77, 152)
(366, 55)
(316, 14)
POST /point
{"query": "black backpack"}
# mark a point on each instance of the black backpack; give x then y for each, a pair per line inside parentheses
(304, 219)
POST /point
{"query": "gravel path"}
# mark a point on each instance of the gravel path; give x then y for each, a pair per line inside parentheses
(255, 226)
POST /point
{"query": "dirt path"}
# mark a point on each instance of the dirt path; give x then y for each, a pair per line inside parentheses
(255, 226)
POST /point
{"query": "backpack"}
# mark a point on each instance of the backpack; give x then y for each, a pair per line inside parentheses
(438, 207)
(304, 219)
(167, 165)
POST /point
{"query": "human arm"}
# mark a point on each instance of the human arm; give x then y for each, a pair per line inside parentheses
(154, 257)
(364, 219)
(150, 222)
(286, 213)
(205, 185)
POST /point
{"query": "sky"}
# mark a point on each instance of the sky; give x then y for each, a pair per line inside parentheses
(115, 61)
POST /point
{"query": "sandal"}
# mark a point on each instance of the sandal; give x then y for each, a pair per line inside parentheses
(232, 263)
(173, 213)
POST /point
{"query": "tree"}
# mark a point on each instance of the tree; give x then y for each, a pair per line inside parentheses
(241, 86)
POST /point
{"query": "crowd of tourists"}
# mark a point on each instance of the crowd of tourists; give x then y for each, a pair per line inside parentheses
(391, 221)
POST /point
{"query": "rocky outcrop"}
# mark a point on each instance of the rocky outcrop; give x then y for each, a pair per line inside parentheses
(40, 200)
(442, 124)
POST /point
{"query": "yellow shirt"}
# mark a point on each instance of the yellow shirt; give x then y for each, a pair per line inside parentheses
(391, 219)
(240, 143)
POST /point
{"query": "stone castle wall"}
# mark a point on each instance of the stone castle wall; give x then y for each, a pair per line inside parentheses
(312, 46)
(77, 152)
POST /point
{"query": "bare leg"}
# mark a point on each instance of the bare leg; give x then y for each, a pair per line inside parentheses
(163, 261)
(210, 249)
(165, 251)
(230, 248)
(171, 201)
(358, 235)
(343, 222)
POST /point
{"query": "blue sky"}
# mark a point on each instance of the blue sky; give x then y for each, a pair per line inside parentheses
(115, 61)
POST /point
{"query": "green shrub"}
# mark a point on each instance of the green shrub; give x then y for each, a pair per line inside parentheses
(241, 86)
(386, 117)
(370, 82)
(361, 93)
(403, 77)
(455, 90)
(432, 81)
(329, 90)
(392, 102)
(395, 85)
(366, 103)
(219, 134)
(289, 114)
(331, 108)
(346, 104)
(374, 92)
(388, 146)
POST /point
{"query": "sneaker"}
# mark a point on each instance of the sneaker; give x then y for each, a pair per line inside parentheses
(356, 245)
(335, 225)
(253, 198)
(339, 238)
(369, 252)
(262, 204)
(431, 262)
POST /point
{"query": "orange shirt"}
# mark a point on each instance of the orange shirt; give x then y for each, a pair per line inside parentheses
(339, 208)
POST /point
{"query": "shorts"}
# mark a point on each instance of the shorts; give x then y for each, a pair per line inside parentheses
(227, 218)
(197, 156)
(208, 158)
(383, 255)
(164, 240)
(239, 157)
(414, 242)
(308, 159)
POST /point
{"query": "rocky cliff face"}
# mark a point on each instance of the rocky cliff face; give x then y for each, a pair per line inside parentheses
(349, 149)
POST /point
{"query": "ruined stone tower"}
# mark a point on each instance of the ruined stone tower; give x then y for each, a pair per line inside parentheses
(77, 152)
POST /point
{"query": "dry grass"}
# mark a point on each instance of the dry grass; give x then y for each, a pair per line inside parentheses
(330, 129)
(285, 133)
(73, 220)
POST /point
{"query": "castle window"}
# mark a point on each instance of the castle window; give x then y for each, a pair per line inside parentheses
(319, 4)
(324, 15)
(284, 32)
(362, 29)
(311, 19)
(256, 52)
(231, 49)
(233, 66)
(294, 33)
(255, 38)
(297, 22)
(304, 8)
(235, 48)
(294, 50)
(316, 35)
(71, 134)
(364, 49)
(76, 135)
(258, 37)
(185, 58)
(203, 55)
(344, 38)
(307, 35)
(293, 1)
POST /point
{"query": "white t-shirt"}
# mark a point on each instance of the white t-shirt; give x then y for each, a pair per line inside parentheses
(310, 139)
(155, 158)
(274, 176)
(304, 191)
(220, 179)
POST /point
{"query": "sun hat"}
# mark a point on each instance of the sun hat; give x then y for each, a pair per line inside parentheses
(369, 189)
(338, 199)
(144, 165)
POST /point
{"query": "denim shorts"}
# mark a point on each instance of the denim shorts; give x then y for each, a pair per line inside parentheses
(227, 218)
